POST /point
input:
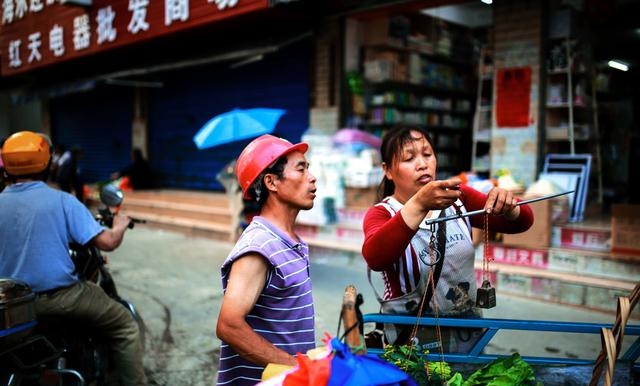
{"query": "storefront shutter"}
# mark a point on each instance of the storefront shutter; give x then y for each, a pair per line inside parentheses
(192, 96)
(99, 122)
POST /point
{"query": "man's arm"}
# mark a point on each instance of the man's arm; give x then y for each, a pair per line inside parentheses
(110, 239)
(247, 278)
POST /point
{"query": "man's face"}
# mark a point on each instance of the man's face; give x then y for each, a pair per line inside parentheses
(297, 186)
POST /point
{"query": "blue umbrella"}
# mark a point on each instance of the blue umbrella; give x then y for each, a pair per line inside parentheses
(341, 368)
(236, 125)
(348, 369)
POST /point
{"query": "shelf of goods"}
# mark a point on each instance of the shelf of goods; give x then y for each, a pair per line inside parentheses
(571, 111)
(483, 120)
(404, 86)
(569, 104)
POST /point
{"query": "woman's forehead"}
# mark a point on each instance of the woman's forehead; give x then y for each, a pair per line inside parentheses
(416, 140)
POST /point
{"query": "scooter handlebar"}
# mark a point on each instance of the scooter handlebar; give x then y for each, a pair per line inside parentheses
(135, 221)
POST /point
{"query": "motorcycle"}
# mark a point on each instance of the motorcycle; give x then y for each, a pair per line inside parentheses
(57, 350)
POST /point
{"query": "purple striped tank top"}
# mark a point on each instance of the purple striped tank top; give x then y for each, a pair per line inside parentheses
(284, 312)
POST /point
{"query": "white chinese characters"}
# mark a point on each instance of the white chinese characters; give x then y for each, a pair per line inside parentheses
(81, 32)
(222, 4)
(42, 33)
(14, 53)
(138, 21)
(56, 40)
(176, 10)
(34, 47)
(105, 30)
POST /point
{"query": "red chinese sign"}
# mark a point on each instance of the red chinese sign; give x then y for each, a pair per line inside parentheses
(36, 33)
(591, 239)
(534, 258)
(513, 97)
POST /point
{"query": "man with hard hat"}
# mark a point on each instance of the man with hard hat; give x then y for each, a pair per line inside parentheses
(267, 312)
(36, 227)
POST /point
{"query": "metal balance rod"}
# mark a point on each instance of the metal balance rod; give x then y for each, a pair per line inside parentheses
(481, 211)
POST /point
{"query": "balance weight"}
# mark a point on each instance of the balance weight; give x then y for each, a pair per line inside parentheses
(486, 295)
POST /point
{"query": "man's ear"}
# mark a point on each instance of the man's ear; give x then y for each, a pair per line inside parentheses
(270, 181)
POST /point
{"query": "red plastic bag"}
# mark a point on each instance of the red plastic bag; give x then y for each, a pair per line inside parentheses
(310, 372)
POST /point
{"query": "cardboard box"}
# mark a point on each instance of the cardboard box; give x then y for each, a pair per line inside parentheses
(607, 299)
(566, 260)
(361, 197)
(625, 228)
(539, 235)
(363, 178)
(514, 284)
(377, 32)
(379, 70)
(546, 289)
(594, 264)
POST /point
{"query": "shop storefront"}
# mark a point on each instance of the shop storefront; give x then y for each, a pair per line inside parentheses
(501, 107)
(112, 76)
(497, 95)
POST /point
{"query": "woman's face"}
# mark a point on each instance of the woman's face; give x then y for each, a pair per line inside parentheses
(412, 168)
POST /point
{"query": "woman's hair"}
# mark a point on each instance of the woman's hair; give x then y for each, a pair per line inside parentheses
(393, 143)
(258, 189)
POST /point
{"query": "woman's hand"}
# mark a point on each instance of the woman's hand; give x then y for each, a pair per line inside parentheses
(502, 202)
(438, 195)
(435, 195)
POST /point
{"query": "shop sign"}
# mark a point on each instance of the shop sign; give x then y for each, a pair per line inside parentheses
(37, 33)
(589, 239)
(534, 258)
(513, 97)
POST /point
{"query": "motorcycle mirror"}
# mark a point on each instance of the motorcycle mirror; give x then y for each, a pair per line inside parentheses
(111, 195)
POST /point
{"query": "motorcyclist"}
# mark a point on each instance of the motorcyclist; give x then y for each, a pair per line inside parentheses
(36, 226)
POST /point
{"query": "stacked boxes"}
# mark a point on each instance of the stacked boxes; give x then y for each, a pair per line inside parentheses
(538, 236)
(568, 264)
(625, 225)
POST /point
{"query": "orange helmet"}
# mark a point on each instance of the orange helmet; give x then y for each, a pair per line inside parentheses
(258, 155)
(25, 152)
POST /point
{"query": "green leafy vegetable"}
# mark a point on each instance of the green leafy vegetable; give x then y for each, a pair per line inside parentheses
(510, 371)
(412, 360)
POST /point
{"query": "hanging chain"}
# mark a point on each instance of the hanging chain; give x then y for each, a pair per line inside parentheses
(414, 331)
(486, 258)
(432, 250)
(486, 294)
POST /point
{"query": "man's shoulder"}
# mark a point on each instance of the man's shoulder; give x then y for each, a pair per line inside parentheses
(253, 235)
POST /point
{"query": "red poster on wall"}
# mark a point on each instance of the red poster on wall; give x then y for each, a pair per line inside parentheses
(513, 97)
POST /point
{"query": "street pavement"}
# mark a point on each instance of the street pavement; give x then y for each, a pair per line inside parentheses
(174, 280)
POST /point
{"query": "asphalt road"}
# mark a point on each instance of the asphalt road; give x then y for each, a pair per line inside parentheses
(174, 280)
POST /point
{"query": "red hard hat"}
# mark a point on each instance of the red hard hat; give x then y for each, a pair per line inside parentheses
(258, 155)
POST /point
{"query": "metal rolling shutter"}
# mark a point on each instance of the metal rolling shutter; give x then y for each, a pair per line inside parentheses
(192, 96)
(99, 122)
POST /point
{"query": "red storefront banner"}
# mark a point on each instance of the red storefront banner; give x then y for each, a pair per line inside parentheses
(513, 97)
(37, 33)
(534, 258)
(590, 239)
